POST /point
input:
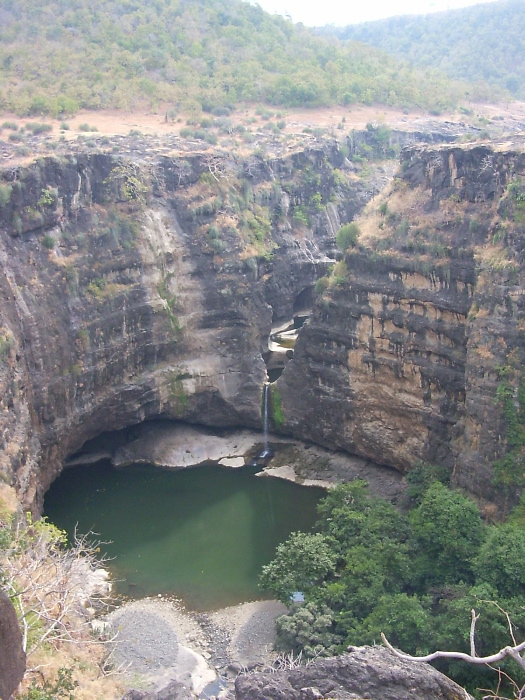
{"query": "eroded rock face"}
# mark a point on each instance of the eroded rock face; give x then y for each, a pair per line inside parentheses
(367, 672)
(404, 354)
(133, 291)
(12, 658)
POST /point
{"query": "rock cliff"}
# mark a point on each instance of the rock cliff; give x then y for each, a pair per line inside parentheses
(415, 349)
(145, 287)
(141, 288)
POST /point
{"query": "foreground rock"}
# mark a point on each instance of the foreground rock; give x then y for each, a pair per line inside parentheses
(173, 654)
(12, 656)
(366, 672)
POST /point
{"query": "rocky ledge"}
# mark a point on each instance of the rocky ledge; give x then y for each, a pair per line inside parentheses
(365, 672)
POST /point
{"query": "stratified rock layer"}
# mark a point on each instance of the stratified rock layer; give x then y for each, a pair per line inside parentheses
(403, 356)
(139, 290)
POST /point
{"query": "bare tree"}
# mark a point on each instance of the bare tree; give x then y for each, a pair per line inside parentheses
(513, 651)
(54, 587)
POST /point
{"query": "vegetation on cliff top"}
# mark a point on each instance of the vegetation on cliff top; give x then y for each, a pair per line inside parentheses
(57, 57)
(482, 43)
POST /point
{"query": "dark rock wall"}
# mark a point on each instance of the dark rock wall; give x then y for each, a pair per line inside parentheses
(134, 290)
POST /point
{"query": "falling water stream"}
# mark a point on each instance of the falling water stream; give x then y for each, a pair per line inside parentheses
(266, 453)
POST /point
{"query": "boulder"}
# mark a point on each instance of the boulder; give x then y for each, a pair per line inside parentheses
(364, 673)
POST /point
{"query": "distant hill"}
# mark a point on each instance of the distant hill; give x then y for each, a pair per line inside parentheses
(479, 43)
(58, 56)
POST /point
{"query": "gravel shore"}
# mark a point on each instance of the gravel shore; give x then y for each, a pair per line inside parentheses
(159, 642)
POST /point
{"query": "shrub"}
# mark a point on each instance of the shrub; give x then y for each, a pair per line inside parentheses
(300, 217)
(5, 194)
(347, 236)
(38, 128)
(308, 630)
(86, 127)
(48, 197)
(48, 242)
(322, 285)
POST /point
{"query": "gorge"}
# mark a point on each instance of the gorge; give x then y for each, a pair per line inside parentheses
(138, 290)
(142, 295)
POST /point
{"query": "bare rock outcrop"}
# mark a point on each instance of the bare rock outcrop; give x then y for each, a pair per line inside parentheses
(366, 672)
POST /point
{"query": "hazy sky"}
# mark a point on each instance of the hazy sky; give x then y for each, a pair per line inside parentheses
(319, 12)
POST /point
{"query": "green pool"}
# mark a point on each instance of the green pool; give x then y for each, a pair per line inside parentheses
(202, 534)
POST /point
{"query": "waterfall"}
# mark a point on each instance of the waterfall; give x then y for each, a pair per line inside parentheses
(266, 450)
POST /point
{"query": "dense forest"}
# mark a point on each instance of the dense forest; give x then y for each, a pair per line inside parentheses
(59, 56)
(480, 43)
(414, 574)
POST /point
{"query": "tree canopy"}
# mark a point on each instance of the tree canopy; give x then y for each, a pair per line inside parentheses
(414, 574)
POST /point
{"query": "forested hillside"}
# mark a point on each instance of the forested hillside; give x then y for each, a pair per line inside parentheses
(479, 43)
(59, 56)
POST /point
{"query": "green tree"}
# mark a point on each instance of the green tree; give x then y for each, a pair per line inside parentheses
(447, 533)
(301, 562)
(347, 236)
(501, 560)
(352, 517)
(404, 619)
